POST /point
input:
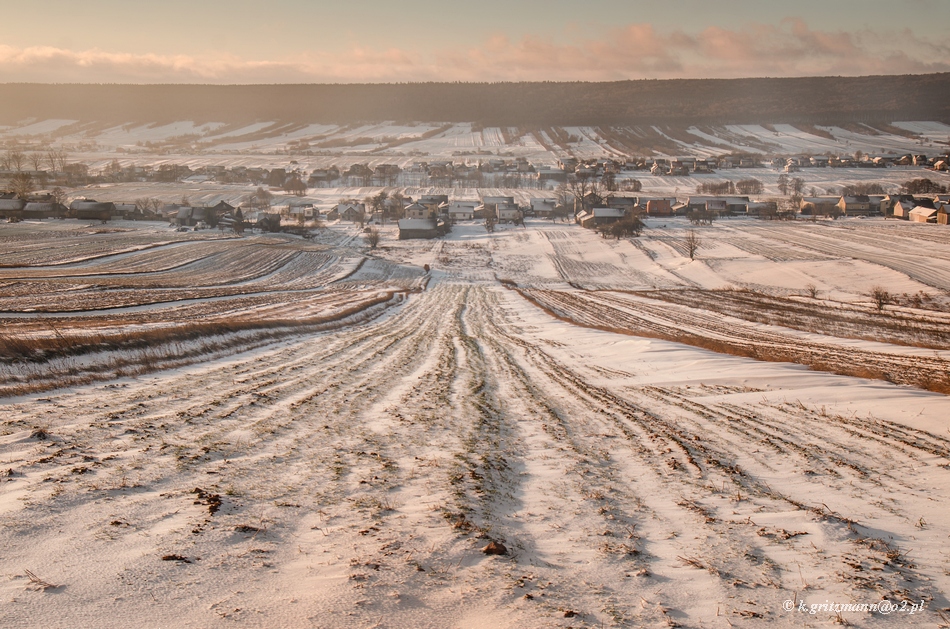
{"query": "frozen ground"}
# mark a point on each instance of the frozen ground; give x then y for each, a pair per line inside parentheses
(347, 468)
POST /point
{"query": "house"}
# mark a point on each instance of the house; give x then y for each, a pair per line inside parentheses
(627, 204)
(678, 169)
(302, 212)
(567, 164)
(268, 222)
(509, 212)
(543, 207)
(419, 210)
(352, 212)
(221, 208)
(169, 211)
(890, 201)
(903, 207)
(943, 214)
(490, 205)
(857, 205)
(462, 210)
(922, 214)
(703, 166)
(819, 206)
(434, 201)
(187, 216)
(659, 207)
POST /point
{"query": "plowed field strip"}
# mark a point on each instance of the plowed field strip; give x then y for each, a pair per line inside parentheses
(640, 317)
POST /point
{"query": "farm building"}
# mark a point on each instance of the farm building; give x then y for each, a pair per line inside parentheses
(91, 210)
(11, 207)
(585, 219)
(943, 215)
(127, 211)
(420, 228)
(551, 174)
(736, 205)
(44, 209)
(819, 206)
(762, 208)
(605, 216)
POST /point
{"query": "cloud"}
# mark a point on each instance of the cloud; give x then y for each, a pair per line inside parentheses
(631, 51)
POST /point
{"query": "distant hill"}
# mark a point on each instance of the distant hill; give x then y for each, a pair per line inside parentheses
(813, 100)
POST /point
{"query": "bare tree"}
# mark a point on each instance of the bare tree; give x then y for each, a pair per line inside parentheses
(372, 237)
(148, 205)
(693, 242)
(36, 160)
(880, 296)
(21, 184)
(797, 185)
(59, 195)
(15, 160)
(812, 291)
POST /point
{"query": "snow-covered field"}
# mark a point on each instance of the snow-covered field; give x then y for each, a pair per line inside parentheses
(271, 143)
(343, 456)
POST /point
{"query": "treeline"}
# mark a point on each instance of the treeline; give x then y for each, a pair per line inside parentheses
(811, 100)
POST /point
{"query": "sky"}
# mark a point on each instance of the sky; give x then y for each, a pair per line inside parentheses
(373, 41)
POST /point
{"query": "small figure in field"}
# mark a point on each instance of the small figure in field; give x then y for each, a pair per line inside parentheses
(426, 268)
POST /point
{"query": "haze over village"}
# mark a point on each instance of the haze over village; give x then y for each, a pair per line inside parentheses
(523, 315)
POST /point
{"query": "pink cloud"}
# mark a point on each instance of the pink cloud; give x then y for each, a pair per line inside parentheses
(632, 51)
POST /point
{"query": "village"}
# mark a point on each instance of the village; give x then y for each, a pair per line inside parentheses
(593, 192)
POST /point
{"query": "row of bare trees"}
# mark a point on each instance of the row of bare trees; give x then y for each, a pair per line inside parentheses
(15, 159)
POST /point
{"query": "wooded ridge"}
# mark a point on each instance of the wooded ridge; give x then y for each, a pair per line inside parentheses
(815, 100)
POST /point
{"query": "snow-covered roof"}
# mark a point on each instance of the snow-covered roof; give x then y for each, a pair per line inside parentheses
(608, 212)
(417, 223)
